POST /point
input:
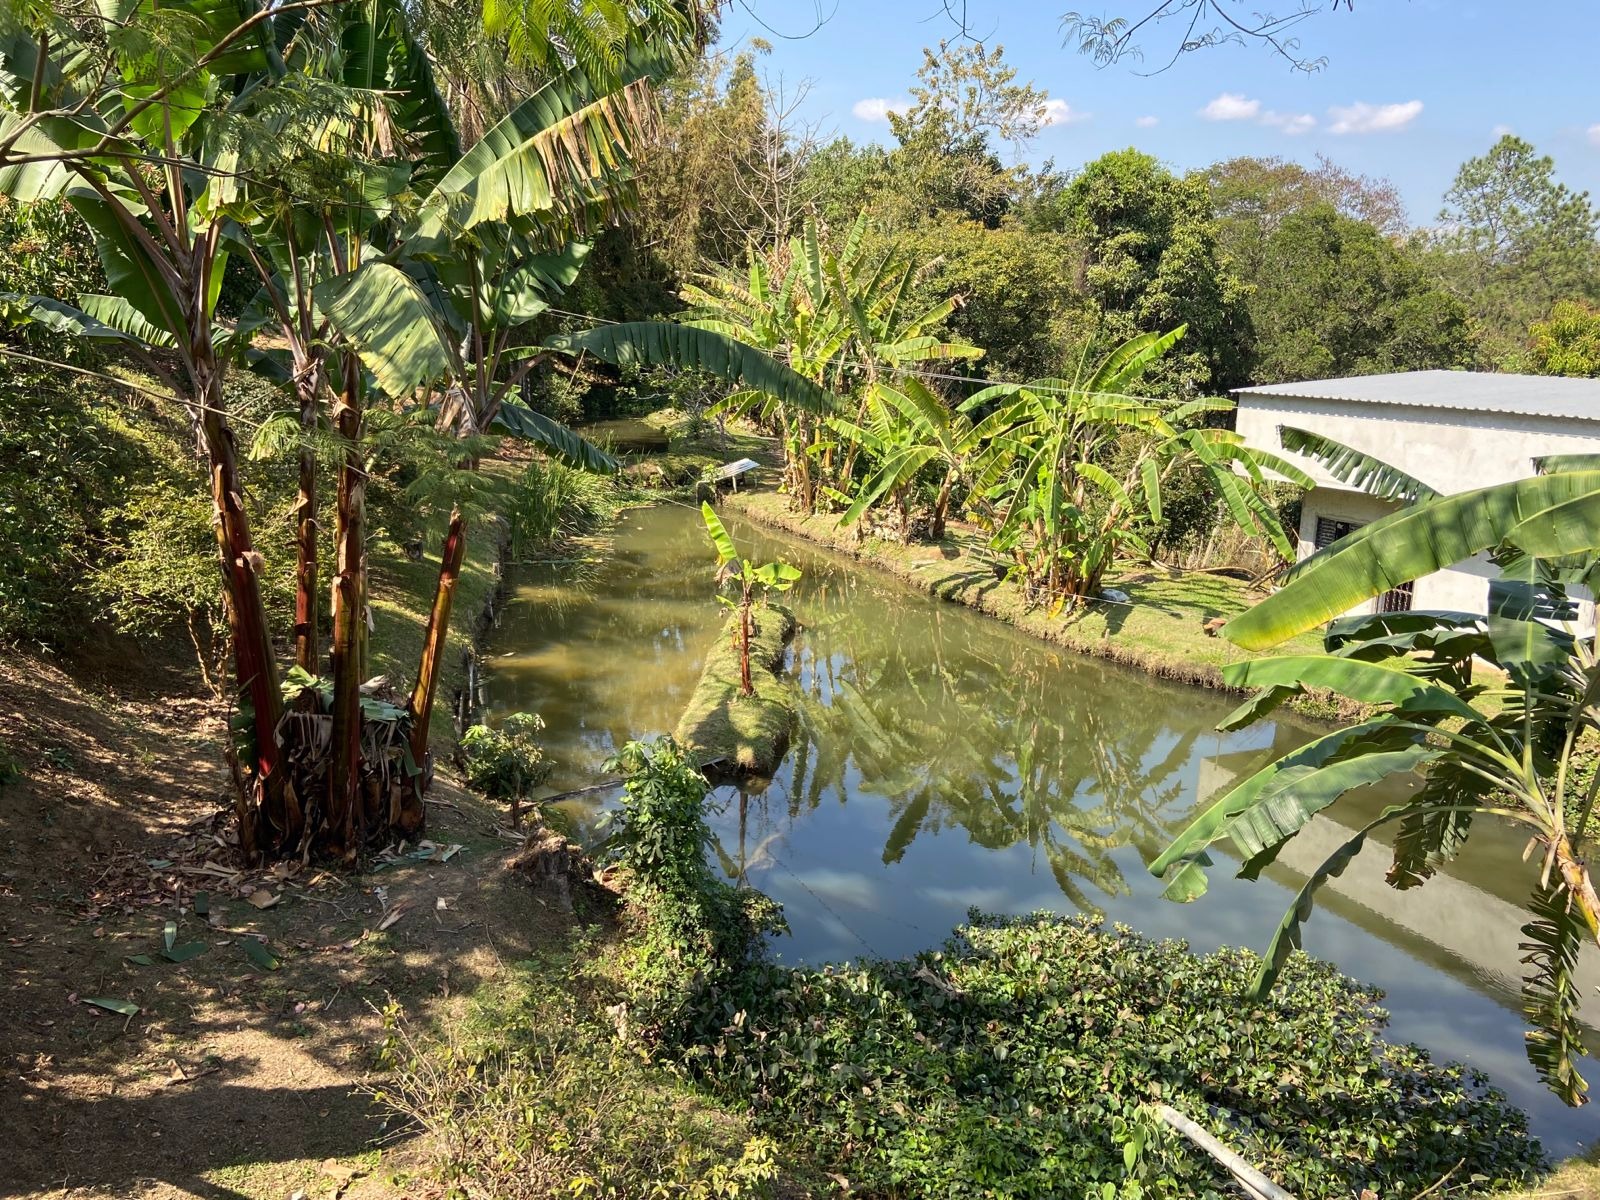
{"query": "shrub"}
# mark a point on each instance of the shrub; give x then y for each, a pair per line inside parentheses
(551, 499)
(507, 763)
(692, 929)
(532, 1096)
(1007, 1063)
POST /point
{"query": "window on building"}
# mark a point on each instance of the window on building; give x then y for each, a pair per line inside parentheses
(1329, 530)
(1397, 599)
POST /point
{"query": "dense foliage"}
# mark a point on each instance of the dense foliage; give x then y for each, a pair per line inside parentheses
(1509, 747)
(1003, 1064)
(692, 927)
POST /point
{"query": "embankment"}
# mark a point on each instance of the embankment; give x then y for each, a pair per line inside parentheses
(748, 733)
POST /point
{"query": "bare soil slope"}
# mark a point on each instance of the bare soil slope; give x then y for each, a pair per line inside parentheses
(242, 1071)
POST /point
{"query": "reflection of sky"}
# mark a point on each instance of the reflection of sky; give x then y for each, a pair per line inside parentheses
(952, 702)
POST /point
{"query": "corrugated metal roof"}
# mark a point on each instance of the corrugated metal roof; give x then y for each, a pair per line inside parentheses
(1463, 391)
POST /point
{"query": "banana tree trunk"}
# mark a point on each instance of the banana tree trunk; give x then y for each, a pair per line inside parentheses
(269, 813)
(433, 649)
(346, 816)
(941, 506)
(745, 685)
(305, 515)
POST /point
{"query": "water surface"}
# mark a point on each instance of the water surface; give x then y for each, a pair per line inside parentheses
(945, 761)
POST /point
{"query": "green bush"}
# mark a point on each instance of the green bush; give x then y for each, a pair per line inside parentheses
(68, 456)
(692, 929)
(1015, 1062)
(551, 499)
(506, 763)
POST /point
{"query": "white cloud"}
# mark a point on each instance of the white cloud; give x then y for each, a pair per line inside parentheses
(1501, 130)
(877, 108)
(1147, 122)
(1059, 112)
(1594, 135)
(1362, 117)
(1231, 106)
(1291, 123)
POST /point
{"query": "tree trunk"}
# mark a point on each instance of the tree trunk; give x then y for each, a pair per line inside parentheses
(346, 815)
(433, 648)
(305, 515)
(267, 802)
(745, 685)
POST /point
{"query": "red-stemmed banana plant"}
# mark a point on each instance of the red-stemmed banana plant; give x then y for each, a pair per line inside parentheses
(131, 113)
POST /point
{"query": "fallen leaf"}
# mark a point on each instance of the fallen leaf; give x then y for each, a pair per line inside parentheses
(126, 1008)
(258, 953)
(169, 935)
(202, 904)
(264, 898)
(185, 952)
(394, 916)
(144, 960)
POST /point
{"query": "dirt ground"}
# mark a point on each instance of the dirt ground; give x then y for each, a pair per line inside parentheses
(242, 1072)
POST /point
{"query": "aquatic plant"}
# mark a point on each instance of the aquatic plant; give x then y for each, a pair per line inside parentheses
(1004, 1063)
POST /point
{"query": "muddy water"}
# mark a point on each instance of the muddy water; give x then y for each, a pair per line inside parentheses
(946, 762)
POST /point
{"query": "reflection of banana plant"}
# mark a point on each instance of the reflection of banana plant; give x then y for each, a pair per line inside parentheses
(989, 746)
(753, 581)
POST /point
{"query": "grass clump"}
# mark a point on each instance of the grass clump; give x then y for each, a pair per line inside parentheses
(533, 1095)
(749, 733)
(1006, 1063)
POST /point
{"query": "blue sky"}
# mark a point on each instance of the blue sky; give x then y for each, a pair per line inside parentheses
(1411, 87)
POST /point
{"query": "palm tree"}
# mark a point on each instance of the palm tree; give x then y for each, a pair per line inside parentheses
(1510, 748)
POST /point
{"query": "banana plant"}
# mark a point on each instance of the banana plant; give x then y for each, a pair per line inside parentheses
(840, 317)
(131, 113)
(753, 582)
(1074, 469)
(1511, 748)
(932, 436)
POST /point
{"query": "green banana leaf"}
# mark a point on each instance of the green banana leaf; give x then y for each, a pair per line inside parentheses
(1406, 545)
(517, 419)
(663, 344)
(383, 312)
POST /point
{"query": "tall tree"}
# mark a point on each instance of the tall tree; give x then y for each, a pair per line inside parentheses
(1252, 197)
(1151, 262)
(1512, 240)
(1567, 342)
(1332, 296)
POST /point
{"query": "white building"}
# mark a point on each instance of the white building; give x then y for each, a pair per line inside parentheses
(1453, 430)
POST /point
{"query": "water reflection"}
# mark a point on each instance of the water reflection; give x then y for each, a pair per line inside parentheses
(944, 762)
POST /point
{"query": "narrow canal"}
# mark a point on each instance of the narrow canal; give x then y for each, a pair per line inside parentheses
(945, 761)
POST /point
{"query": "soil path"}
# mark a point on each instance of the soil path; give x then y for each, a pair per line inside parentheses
(243, 1071)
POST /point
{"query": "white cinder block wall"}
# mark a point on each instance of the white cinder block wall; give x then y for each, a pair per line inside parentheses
(1448, 449)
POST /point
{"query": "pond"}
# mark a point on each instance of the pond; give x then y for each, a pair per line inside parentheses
(945, 761)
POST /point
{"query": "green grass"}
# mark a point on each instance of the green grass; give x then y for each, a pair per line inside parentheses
(1162, 629)
(750, 732)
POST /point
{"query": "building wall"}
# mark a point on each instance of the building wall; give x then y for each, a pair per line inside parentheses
(1462, 588)
(1449, 451)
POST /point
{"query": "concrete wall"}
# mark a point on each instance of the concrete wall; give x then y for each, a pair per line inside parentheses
(1449, 451)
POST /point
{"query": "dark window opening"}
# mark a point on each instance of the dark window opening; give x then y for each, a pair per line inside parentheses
(1330, 531)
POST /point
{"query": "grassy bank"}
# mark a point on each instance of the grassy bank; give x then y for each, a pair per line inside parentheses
(1160, 630)
(748, 732)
